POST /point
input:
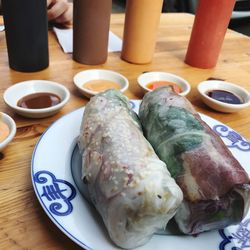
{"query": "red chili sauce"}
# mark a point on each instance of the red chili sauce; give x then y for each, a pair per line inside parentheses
(153, 85)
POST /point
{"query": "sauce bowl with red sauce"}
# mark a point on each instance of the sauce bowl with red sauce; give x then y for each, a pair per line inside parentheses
(7, 130)
(36, 98)
(151, 80)
(223, 96)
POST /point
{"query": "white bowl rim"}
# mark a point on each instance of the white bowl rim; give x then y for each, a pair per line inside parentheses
(12, 126)
(185, 83)
(43, 110)
(222, 84)
(91, 92)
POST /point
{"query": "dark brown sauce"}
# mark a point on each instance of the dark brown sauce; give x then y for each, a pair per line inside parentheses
(39, 101)
(215, 78)
(224, 96)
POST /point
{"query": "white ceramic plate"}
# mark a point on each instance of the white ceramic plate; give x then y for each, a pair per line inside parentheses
(55, 188)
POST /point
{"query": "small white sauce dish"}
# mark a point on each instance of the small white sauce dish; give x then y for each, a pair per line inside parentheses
(81, 78)
(12, 129)
(207, 86)
(154, 76)
(19, 90)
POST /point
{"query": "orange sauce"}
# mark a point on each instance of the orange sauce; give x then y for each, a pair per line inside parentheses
(4, 131)
(101, 85)
(153, 85)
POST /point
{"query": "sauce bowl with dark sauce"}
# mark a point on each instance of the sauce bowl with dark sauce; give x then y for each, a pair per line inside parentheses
(223, 96)
(36, 98)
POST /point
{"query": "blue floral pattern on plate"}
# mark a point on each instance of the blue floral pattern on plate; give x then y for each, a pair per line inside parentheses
(58, 193)
(241, 237)
(233, 138)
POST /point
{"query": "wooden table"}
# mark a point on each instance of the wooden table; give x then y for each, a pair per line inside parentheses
(23, 223)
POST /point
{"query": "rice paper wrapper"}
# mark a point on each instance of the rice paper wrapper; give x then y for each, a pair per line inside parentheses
(128, 184)
(214, 184)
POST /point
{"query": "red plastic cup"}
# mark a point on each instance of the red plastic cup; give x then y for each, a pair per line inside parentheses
(209, 29)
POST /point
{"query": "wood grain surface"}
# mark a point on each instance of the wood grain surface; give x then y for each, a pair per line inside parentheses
(23, 223)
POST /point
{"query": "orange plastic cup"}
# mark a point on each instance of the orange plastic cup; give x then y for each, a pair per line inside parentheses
(209, 29)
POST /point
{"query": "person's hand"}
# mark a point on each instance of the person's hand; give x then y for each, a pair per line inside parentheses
(60, 11)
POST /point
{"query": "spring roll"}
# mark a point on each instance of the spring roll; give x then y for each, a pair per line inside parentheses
(214, 184)
(128, 184)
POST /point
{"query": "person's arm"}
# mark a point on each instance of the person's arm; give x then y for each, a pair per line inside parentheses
(60, 11)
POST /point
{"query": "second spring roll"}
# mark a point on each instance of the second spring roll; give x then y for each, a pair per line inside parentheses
(214, 184)
(128, 184)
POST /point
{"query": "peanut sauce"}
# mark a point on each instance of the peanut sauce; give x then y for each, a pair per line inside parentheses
(4, 131)
(101, 85)
(39, 100)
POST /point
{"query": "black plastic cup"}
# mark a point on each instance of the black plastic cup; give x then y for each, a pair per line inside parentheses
(26, 28)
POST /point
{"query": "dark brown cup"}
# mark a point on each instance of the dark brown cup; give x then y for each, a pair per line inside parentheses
(91, 21)
(26, 26)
